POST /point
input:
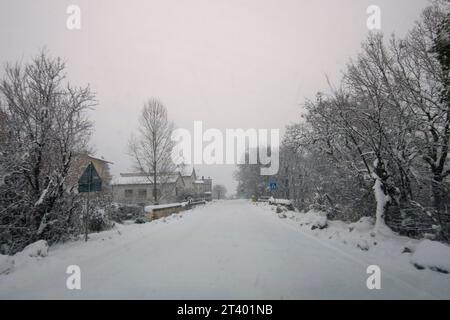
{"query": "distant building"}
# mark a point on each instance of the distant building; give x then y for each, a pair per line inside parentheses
(203, 188)
(137, 188)
(197, 188)
(189, 177)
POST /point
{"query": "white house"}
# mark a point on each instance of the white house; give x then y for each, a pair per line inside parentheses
(137, 188)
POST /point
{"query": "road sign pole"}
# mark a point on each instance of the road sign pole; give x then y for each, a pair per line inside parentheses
(86, 219)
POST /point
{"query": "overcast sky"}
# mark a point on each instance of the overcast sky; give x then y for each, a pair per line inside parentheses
(230, 63)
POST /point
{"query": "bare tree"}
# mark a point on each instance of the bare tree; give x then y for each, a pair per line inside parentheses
(152, 149)
(219, 191)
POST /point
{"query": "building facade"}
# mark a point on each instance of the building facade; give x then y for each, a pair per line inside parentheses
(137, 188)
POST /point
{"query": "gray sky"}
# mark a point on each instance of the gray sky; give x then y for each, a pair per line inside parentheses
(232, 64)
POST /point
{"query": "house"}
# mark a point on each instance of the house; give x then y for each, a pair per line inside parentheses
(203, 188)
(198, 188)
(80, 162)
(189, 179)
(137, 188)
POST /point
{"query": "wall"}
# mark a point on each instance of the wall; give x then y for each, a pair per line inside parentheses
(167, 193)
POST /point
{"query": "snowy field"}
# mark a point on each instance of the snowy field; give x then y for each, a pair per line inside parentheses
(228, 250)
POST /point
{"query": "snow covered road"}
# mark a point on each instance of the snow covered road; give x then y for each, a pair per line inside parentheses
(223, 250)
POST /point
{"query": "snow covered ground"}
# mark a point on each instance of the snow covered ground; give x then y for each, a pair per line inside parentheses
(227, 250)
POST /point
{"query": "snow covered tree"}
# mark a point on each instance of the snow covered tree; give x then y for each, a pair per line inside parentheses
(424, 82)
(250, 181)
(317, 180)
(219, 191)
(45, 123)
(378, 143)
(386, 127)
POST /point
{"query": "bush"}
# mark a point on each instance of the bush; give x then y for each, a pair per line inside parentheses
(121, 212)
(99, 220)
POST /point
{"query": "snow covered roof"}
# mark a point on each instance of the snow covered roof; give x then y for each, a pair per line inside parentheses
(138, 178)
(187, 170)
(93, 157)
(99, 158)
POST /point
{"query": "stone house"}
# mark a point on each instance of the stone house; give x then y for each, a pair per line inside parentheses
(203, 188)
(198, 188)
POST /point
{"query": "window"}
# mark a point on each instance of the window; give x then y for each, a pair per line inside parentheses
(128, 193)
(142, 194)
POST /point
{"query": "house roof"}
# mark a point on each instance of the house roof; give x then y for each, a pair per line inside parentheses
(187, 171)
(99, 159)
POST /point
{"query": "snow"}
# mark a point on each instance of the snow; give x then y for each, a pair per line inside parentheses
(226, 250)
(363, 244)
(6, 264)
(365, 224)
(433, 255)
(280, 201)
(150, 208)
(315, 219)
(382, 200)
(36, 249)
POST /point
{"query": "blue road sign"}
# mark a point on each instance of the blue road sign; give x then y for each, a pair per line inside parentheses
(273, 186)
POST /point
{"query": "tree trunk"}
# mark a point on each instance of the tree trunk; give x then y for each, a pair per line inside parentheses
(382, 195)
(439, 203)
(155, 186)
